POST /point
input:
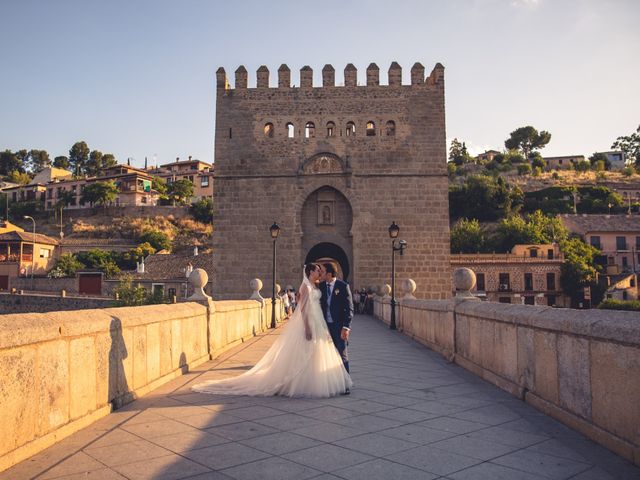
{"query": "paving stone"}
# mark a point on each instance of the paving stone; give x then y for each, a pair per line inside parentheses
(329, 413)
(369, 423)
(172, 467)
(122, 453)
(211, 419)
(471, 447)
(450, 424)
(104, 474)
(406, 415)
(256, 411)
(76, 463)
(375, 444)
(327, 458)
(380, 469)
(157, 429)
(433, 460)
(242, 430)
(281, 442)
(271, 469)
(508, 437)
(417, 434)
(224, 456)
(328, 432)
(540, 464)
(491, 471)
(181, 442)
(288, 421)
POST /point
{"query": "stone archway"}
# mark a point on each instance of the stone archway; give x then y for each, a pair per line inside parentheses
(326, 220)
(330, 252)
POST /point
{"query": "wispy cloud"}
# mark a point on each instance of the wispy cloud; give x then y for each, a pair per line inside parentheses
(525, 3)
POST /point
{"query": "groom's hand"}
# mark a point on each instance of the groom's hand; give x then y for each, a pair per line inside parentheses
(344, 334)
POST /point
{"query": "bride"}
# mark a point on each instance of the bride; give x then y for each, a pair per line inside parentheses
(302, 362)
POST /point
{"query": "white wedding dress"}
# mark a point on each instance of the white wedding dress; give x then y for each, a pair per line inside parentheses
(293, 366)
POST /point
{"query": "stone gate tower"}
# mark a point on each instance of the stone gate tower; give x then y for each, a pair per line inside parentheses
(333, 166)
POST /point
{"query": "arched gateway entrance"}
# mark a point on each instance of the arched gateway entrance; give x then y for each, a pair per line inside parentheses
(326, 230)
(330, 252)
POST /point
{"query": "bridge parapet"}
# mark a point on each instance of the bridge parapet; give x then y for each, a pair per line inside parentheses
(578, 366)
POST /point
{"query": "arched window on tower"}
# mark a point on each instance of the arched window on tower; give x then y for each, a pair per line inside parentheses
(371, 129)
(331, 129)
(309, 130)
(391, 128)
(268, 130)
(291, 130)
(351, 129)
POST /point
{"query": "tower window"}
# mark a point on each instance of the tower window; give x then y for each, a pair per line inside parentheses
(391, 128)
(331, 129)
(291, 131)
(309, 130)
(268, 130)
(371, 129)
(351, 129)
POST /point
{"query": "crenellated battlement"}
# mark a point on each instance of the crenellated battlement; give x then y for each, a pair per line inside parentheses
(394, 77)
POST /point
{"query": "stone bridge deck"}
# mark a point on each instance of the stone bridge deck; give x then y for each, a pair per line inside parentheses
(411, 415)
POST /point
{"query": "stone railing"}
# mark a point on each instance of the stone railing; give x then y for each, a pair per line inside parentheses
(578, 366)
(62, 371)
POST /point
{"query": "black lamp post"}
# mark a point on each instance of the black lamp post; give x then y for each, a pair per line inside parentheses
(394, 230)
(275, 231)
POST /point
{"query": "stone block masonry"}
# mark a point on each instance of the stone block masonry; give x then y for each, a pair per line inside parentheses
(334, 166)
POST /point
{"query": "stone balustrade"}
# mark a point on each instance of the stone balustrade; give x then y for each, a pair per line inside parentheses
(63, 370)
(578, 366)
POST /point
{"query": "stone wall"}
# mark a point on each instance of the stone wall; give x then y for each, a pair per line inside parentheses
(578, 366)
(60, 372)
(30, 303)
(375, 179)
(43, 284)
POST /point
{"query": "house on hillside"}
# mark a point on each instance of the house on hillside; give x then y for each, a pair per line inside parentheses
(199, 173)
(168, 274)
(487, 156)
(35, 190)
(565, 162)
(529, 275)
(17, 258)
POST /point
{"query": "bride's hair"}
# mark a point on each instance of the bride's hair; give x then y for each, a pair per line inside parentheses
(310, 267)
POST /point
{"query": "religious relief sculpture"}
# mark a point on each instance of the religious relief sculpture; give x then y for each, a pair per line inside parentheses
(323, 163)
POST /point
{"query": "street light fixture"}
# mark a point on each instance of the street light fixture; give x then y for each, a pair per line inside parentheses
(274, 230)
(394, 230)
(33, 247)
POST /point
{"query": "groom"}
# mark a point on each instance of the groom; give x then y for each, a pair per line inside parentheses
(337, 307)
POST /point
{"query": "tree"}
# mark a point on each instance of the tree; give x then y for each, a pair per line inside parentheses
(180, 191)
(202, 210)
(630, 145)
(128, 294)
(467, 237)
(99, 193)
(534, 228)
(78, 157)
(37, 160)
(66, 266)
(484, 197)
(108, 160)
(100, 259)
(61, 162)
(458, 153)
(579, 269)
(129, 259)
(582, 166)
(9, 162)
(94, 163)
(537, 161)
(157, 239)
(19, 177)
(527, 139)
(524, 169)
(599, 157)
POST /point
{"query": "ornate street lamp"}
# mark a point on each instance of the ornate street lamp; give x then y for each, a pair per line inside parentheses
(394, 230)
(274, 230)
(33, 247)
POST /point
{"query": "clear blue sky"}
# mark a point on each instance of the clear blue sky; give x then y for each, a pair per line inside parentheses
(137, 77)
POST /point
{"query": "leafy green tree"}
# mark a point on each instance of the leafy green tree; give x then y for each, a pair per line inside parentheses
(202, 210)
(599, 157)
(10, 162)
(78, 157)
(527, 139)
(129, 259)
(20, 209)
(157, 239)
(484, 198)
(159, 185)
(61, 162)
(37, 160)
(66, 266)
(180, 191)
(596, 199)
(128, 294)
(100, 259)
(467, 237)
(630, 145)
(534, 228)
(99, 193)
(537, 161)
(19, 177)
(108, 161)
(458, 153)
(579, 270)
(94, 163)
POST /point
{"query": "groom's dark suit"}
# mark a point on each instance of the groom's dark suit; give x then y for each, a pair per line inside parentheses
(340, 308)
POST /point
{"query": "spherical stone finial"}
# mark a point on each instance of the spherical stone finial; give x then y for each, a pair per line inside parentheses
(464, 280)
(198, 279)
(256, 286)
(409, 287)
(385, 290)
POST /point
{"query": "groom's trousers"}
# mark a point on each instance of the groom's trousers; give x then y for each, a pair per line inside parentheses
(335, 330)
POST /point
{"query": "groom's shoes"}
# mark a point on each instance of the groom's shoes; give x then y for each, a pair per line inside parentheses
(347, 392)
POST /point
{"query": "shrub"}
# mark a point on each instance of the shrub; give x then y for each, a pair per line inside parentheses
(202, 210)
(628, 171)
(611, 304)
(555, 175)
(66, 266)
(537, 171)
(157, 239)
(128, 294)
(524, 169)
